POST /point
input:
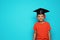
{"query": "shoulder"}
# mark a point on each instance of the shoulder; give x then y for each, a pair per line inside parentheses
(36, 23)
(47, 22)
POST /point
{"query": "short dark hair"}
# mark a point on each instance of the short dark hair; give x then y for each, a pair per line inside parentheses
(40, 14)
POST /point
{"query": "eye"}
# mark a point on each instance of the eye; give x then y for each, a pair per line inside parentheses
(42, 16)
(38, 16)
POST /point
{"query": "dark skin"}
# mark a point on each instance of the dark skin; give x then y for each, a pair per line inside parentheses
(40, 18)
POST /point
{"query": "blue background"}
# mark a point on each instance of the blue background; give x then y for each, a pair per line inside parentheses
(17, 18)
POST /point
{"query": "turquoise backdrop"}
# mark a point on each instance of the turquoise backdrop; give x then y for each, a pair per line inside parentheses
(17, 18)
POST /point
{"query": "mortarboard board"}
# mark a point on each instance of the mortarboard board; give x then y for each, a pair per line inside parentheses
(41, 11)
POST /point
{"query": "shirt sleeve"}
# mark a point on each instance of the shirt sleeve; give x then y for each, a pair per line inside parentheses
(35, 27)
(49, 27)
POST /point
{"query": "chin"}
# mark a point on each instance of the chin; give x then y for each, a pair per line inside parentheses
(41, 20)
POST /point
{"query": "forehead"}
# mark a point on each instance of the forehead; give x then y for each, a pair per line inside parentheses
(40, 15)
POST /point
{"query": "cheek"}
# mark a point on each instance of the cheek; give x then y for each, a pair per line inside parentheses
(38, 18)
(44, 16)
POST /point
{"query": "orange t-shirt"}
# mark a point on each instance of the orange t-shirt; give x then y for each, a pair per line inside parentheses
(42, 29)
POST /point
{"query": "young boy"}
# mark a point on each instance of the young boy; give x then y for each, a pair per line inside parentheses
(41, 28)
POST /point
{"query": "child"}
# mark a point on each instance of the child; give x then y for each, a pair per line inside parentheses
(41, 28)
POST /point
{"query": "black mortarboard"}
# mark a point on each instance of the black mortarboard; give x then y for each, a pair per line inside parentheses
(41, 11)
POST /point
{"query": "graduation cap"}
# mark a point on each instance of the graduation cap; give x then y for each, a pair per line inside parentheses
(41, 11)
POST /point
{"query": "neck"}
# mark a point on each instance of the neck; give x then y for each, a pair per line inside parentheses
(41, 21)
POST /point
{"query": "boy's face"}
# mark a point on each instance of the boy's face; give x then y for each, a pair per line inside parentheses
(40, 17)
